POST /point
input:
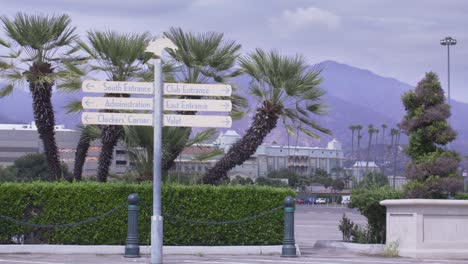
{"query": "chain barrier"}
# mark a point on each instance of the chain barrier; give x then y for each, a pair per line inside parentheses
(92, 219)
(237, 221)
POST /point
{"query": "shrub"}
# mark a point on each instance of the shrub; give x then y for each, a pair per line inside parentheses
(62, 202)
(367, 202)
(433, 168)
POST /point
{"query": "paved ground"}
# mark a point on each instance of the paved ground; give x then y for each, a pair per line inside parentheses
(319, 257)
(312, 223)
(320, 222)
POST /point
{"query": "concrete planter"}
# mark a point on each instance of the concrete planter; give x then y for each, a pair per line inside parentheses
(428, 228)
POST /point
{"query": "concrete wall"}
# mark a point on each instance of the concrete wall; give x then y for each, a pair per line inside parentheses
(428, 228)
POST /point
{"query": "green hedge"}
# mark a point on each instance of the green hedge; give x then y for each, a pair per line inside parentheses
(61, 203)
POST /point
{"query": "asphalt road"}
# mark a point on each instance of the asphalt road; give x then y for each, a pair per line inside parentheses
(312, 223)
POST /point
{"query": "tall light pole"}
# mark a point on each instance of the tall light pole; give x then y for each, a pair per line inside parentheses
(448, 41)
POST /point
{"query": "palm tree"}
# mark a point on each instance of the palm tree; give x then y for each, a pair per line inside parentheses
(352, 128)
(359, 136)
(139, 144)
(42, 50)
(202, 58)
(371, 131)
(384, 126)
(121, 57)
(397, 133)
(286, 89)
(87, 135)
(376, 131)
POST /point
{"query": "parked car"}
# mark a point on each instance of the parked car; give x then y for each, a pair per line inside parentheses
(345, 199)
(320, 201)
(300, 201)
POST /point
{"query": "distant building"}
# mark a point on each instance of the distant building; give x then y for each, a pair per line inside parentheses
(17, 140)
(267, 158)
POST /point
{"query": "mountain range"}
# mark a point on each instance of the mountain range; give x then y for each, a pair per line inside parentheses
(353, 96)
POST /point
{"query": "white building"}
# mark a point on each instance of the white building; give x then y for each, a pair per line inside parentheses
(267, 158)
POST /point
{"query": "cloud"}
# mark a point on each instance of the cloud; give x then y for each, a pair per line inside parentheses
(301, 18)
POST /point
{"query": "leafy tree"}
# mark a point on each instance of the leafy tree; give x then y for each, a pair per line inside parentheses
(338, 184)
(433, 169)
(7, 174)
(42, 53)
(239, 180)
(33, 167)
(322, 177)
(263, 181)
(288, 90)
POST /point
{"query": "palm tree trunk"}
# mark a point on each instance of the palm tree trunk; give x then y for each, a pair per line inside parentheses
(264, 122)
(80, 155)
(44, 116)
(352, 144)
(368, 152)
(397, 142)
(109, 139)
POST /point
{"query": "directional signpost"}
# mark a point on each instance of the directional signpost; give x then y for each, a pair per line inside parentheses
(157, 104)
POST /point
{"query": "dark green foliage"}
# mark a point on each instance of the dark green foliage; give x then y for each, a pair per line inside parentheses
(367, 202)
(322, 177)
(263, 181)
(376, 179)
(239, 180)
(346, 226)
(31, 167)
(353, 232)
(433, 169)
(61, 202)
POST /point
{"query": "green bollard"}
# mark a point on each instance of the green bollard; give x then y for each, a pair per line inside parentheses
(132, 247)
(289, 245)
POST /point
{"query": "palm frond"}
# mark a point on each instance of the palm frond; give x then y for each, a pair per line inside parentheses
(6, 90)
(209, 155)
(73, 107)
(202, 136)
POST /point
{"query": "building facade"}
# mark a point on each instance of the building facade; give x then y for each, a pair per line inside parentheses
(17, 140)
(267, 158)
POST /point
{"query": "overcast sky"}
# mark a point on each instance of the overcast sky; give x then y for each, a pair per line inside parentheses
(394, 38)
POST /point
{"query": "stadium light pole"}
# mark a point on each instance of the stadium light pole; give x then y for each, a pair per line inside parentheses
(448, 41)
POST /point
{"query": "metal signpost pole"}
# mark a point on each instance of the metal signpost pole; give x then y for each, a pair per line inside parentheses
(157, 219)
